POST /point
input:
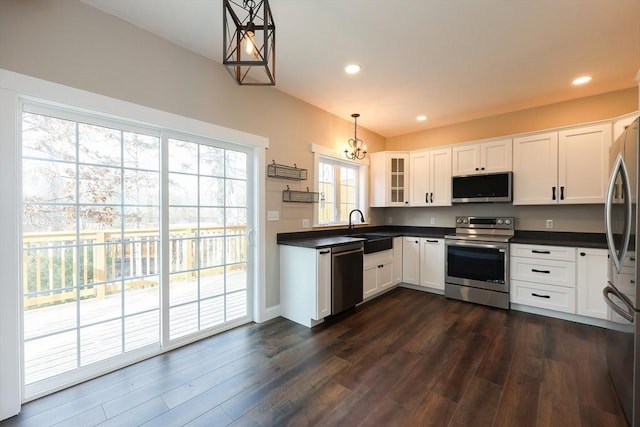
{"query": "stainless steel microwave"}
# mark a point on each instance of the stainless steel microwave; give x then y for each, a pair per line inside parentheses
(488, 187)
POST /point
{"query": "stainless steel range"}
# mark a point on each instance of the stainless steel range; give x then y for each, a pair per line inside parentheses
(477, 260)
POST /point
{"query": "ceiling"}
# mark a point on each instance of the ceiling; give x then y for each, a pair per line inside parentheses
(452, 60)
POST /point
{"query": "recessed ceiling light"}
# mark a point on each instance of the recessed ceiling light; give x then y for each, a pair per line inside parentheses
(352, 69)
(421, 118)
(581, 80)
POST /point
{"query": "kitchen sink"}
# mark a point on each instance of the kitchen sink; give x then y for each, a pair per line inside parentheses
(375, 242)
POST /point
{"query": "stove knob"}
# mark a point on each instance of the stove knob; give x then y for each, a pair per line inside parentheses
(507, 221)
(466, 221)
(499, 222)
(459, 220)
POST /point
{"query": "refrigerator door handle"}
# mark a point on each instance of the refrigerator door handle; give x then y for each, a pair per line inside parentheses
(608, 290)
(618, 167)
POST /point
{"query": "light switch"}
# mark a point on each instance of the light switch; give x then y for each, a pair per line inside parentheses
(273, 215)
(306, 223)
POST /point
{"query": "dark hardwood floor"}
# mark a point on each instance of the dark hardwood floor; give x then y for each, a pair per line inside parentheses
(405, 359)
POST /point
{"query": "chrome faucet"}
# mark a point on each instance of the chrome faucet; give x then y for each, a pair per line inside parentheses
(361, 217)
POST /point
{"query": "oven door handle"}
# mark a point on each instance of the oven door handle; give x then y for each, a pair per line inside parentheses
(500, 246)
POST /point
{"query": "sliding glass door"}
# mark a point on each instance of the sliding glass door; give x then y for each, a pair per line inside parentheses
(207, 236)
(99, 206)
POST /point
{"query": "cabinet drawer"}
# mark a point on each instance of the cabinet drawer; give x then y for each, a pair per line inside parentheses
(550, 272)
(543, 296)
(558, 253)
(377, 258)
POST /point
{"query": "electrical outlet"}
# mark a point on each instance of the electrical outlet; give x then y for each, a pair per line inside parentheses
(305, 223)
(549, 223)
(433, 221)
(389, 220)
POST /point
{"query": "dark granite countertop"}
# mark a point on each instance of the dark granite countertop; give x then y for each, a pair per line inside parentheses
(326, 238)
(583, 240)
(321, 242)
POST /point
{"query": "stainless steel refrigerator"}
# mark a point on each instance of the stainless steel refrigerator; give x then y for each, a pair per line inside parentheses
(621, 223)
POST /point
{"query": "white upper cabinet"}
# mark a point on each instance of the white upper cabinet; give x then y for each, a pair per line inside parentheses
(583, 166)
(419, 178)
(389, 179)
(566, 167)
(622, 122)
(535, 169)
(484, 157)
(431, 177)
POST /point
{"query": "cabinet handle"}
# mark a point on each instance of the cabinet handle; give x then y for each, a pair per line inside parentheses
(535, 251)
(632, 281)
(417, 241)
(553, 193)
(426, 197)
(431, 197)
(482, 168)
(562, 193)
(540, 271)
(477, 169)
(582, 254)
(325, 252)
(380, 266)
(432, 241)
(406, 202)
(632, 258)
(533, 294)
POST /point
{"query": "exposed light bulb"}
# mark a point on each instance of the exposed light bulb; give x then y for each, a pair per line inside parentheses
(249, 44)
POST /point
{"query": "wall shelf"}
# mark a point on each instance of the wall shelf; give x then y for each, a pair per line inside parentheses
(294, 196)
(294, 173)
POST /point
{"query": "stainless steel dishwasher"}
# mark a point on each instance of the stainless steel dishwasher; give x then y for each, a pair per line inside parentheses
(346, 276)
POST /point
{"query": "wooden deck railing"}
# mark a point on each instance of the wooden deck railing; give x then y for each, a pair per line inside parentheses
(56, 269)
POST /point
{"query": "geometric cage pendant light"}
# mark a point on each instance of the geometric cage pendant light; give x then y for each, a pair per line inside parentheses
(356, 150)
(249, 42)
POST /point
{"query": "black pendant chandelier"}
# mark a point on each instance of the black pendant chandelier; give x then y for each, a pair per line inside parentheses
(249, 42)
(356, 149)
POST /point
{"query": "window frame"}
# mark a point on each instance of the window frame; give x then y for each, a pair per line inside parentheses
(336, 157)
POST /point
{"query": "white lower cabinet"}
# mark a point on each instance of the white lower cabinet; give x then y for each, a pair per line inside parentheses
(305, 284)
(397, 260)
(423, 262)
(432, 263)
(540, 295)
(544, 277)
(592, 277)
(411, 260)
(378, 273)
(559, 278)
